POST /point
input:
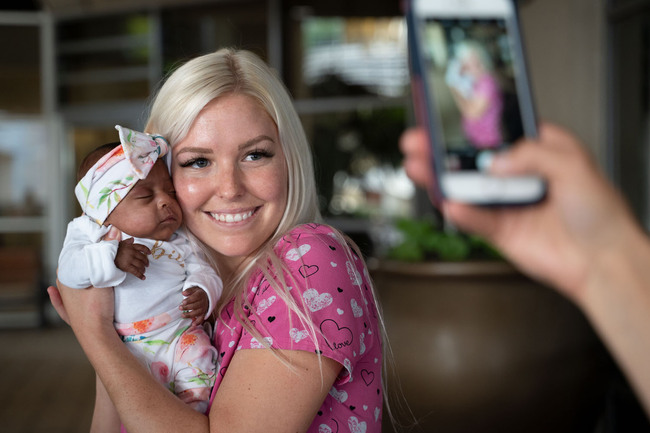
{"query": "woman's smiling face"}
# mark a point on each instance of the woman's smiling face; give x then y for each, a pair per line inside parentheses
(230, 176)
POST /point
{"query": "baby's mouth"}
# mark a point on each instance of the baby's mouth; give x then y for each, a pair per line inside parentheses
(171, 218)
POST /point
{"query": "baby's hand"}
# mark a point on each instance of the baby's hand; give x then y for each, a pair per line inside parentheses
(132, 258)
(195, 305)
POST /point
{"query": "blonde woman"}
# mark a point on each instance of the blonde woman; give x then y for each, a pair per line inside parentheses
(477, 94)
(298, 331)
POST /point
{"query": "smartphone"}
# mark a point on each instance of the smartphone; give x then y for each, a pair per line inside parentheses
(471, 91)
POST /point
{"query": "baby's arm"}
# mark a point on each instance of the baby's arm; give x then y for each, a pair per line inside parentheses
(196, 304)
(85, 260)
(132, 258)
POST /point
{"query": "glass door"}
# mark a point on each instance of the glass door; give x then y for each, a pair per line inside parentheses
(29, 168)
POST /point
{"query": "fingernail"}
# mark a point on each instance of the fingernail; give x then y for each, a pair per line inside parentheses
(110, 235)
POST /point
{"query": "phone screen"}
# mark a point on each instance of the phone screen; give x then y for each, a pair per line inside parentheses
(471, 77)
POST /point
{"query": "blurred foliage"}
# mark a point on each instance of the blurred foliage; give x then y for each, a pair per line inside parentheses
(423, 240)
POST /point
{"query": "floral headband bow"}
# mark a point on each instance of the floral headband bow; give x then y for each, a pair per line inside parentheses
(114, 175)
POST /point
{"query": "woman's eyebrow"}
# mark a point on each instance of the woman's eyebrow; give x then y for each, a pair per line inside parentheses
(256, 140)
(206, 150)
(194, 150)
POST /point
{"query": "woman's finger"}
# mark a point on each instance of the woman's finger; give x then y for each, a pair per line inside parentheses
(114, 234)
(417, 163)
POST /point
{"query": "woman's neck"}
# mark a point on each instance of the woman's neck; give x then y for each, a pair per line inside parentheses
(228, 267)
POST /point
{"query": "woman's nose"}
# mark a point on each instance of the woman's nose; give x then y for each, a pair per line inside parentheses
(228, 183)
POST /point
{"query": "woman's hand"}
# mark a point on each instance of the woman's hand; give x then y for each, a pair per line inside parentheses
(88, 310)
(100, 305)
(582, 239)
(57, 302)
(558, 240)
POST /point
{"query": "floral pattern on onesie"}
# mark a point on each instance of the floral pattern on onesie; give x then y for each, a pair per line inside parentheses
(332, 286)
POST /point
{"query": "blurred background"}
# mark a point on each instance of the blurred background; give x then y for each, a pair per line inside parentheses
(72, 69)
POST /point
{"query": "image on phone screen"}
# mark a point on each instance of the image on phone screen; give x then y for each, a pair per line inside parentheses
(470, 69)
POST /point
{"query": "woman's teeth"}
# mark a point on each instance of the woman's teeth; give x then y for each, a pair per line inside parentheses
(232, 217)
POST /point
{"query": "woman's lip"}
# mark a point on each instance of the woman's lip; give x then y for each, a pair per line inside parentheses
(233, 217)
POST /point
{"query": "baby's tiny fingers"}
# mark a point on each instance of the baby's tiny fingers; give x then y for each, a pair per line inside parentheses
(192, 291)
(142, 249)
(188, 314)
(140, 260)
(188, 304)
(137, 273)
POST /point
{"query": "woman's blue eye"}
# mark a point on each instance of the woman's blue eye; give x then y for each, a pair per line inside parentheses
(195, 163)
(257, 155)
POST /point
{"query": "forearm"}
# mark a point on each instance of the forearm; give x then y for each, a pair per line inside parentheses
(617, 300)
(142, 403)
(105, 417)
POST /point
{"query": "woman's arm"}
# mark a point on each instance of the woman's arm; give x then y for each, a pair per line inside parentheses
(617, 300)
(105, 417)
(259, 393)
(136, 395)
(582, 239)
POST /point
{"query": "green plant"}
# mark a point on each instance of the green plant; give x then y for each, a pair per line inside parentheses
(423, 240)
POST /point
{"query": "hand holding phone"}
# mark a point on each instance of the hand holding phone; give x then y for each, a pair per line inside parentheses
(471, 91)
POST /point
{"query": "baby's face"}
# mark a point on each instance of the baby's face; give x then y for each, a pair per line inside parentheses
(150, 209)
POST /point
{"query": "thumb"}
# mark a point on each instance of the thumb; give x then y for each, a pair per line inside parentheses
(114, 234)
(529, 157)
(546, 156)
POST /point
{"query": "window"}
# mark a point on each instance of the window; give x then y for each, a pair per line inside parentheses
(350, 78)
(29, 198)
(20, 75)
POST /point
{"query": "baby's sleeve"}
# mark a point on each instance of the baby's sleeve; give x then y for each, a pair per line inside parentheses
(85, 260)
